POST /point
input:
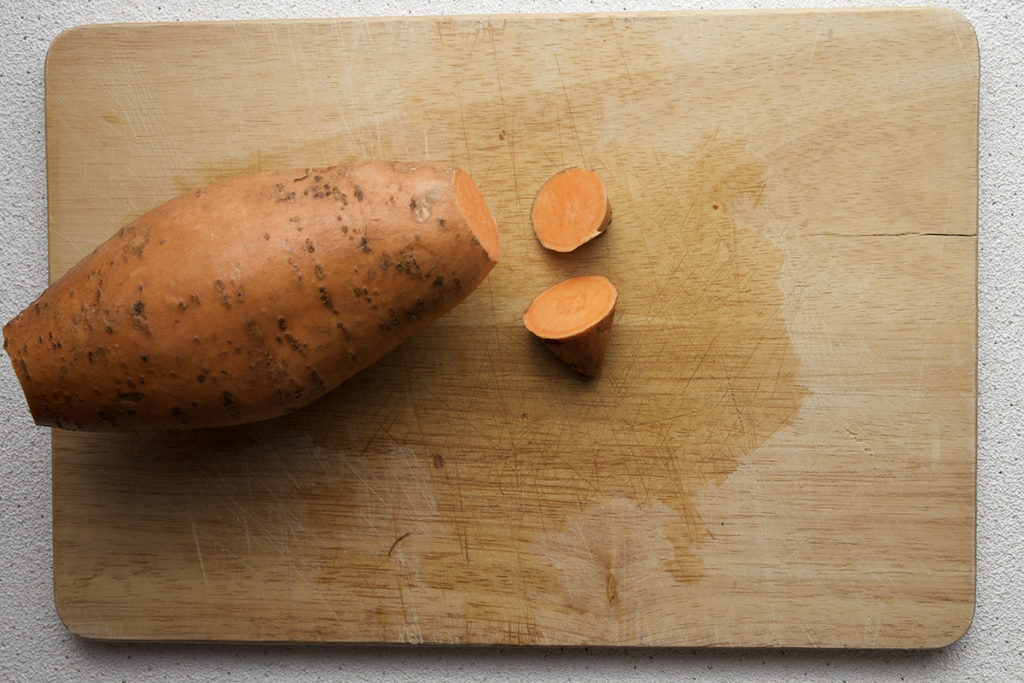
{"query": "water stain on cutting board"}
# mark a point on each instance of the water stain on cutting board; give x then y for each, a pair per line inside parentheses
(471, 457)
(573, 493)
(702, 372)
(513, 474)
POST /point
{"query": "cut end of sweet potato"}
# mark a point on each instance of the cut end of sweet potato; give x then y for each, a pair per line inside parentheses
(574, 320)
(474, 208)
(571, 209)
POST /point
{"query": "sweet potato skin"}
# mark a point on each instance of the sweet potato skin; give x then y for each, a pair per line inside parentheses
(247, 299)
(574, 321)
(584, 352)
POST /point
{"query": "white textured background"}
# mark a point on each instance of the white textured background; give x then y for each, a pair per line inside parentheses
(34, 645)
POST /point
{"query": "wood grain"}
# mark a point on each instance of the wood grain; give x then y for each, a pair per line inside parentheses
(781, 449)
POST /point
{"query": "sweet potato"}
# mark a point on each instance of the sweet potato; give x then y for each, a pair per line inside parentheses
(571, 209)
(574, 320)
(252, 297)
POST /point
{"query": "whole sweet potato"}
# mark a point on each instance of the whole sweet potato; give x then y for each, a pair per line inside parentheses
(252, 297)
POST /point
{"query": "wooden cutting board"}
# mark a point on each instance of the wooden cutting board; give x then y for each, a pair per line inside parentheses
(781, 449)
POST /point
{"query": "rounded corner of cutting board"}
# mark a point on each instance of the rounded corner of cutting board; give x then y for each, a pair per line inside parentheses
(943, 629)
(955, 18)
(962, 27)
(67, 40)
(70, 617)
(964, 623)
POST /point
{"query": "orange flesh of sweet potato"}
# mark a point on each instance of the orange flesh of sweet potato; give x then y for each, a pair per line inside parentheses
(574, 320)
(250, 298)
(571, 209)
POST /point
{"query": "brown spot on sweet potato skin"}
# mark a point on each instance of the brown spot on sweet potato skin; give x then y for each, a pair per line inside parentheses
(135, 238)
(325, 298)
(225, 299)
(296, 271)
(253, 329)
(295, 344)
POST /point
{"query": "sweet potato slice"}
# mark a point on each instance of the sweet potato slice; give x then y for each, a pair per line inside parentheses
(574, 320)
(571, 209)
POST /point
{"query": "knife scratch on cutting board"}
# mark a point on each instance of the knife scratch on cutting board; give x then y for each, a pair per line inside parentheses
(622, 58)
(465, 130)
(70, 242)
(199, 550)
(572, 116)
(817, 39)
(507, 130)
